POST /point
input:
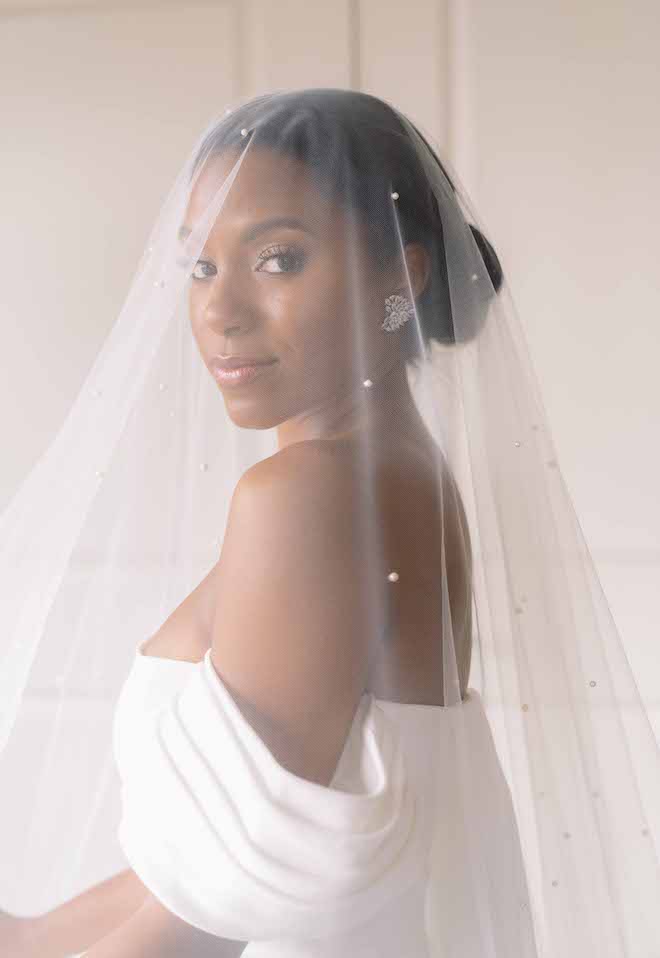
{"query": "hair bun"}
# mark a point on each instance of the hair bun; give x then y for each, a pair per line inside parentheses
(489, 257)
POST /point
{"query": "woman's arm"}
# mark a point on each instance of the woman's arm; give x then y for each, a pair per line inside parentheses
(154, 932)
(78, 923)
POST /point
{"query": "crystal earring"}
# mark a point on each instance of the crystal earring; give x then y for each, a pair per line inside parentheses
(398, 310)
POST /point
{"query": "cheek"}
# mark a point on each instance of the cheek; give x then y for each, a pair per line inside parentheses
(347, 313)
(326, 325)
(313, 309)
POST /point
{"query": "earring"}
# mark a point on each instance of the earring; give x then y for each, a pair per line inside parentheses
(398, 310)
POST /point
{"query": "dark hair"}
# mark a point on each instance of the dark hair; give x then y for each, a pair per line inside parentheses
(357, 148)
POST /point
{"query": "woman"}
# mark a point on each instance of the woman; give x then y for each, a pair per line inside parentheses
(306, 768)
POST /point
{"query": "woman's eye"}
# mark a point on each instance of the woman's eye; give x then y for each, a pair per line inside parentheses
(192, 268)
(292, 258)
(201, 265)
(279, 259)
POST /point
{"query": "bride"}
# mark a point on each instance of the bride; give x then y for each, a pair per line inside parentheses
(376, 725)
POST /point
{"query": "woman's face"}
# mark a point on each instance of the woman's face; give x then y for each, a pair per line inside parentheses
(301, 291)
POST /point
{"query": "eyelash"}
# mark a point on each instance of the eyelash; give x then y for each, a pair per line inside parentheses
(273, 252)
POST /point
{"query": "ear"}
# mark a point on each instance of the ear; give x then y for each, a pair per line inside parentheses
(418, 267)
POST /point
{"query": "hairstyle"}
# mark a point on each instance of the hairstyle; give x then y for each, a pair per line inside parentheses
(358, 150)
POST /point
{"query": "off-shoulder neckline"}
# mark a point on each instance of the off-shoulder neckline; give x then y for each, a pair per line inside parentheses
(388, 703)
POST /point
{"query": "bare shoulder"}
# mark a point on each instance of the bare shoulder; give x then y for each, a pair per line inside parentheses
(312, 485)
(333, 534)
(301, 507)
(290, 636)
(294, 465)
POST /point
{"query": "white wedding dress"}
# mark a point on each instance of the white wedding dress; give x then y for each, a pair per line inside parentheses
(373, 866)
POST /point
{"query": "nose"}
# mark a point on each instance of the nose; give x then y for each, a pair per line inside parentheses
(228, 310)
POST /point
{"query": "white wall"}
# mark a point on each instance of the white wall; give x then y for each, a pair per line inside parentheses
(546, 109)
(99, 107)
(564, 154)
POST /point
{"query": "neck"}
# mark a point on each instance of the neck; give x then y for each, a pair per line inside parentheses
(365, 411)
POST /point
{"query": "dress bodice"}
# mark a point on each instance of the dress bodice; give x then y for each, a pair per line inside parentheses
(236, 844)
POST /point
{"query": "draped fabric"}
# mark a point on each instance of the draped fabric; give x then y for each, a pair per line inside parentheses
(239, 846)
(235, 844)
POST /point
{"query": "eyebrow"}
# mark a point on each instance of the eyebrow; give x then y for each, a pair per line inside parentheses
(251, 233)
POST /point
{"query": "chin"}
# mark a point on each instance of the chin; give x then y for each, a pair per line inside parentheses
(248, 415)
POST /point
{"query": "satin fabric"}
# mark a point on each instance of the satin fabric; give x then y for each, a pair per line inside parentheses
(237, 845)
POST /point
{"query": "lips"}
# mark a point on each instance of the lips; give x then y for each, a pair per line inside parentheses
(226, 373)
(238, 362)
